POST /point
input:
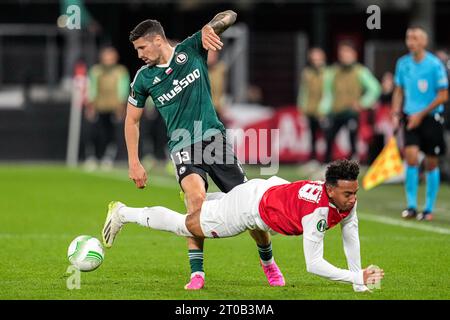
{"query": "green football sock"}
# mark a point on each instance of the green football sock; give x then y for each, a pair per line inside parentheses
(265, 253)
(196, 261)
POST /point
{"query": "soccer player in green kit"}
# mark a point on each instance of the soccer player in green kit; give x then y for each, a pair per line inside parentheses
(177, 80)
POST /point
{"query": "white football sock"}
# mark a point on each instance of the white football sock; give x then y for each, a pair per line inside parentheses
(159, 218)
(128, 214)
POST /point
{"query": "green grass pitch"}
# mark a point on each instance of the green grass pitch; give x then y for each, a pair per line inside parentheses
(44, 207)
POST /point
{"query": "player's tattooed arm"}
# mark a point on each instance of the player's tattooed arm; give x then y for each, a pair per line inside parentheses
(212, 30)
(222, 21)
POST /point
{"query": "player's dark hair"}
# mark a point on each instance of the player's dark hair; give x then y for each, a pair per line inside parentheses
(417, 26)
(314, 48)
(145, 28)
(342, 169)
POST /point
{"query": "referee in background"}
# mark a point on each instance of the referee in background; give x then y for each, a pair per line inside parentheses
(422, 89)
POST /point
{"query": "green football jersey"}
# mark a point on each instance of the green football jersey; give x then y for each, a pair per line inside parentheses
(181, 92)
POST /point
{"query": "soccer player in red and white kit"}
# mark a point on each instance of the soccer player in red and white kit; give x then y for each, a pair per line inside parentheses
(307, 208)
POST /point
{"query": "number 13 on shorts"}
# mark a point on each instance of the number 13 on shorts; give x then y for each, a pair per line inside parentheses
(183, 156)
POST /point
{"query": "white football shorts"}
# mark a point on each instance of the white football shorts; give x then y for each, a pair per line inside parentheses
(236, 211)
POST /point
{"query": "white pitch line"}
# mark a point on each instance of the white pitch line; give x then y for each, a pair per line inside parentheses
(404, 224)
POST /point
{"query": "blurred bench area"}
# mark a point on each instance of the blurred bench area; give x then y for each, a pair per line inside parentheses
(263, 58)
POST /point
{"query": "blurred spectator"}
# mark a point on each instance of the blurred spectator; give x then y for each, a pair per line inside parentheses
(156, 131)
(254, 95)
(443, 55)
(387, 88)
(349, 88)
(310, 92)
(109, 84)
(381, 119)
(75, 48)
(217, 71)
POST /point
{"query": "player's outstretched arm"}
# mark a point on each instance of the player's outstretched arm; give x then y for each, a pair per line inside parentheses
(136, 171)
(316, 264)
(212, 30)
(350, 240)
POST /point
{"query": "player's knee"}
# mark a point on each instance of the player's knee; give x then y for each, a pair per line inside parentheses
(431, 163)
(193, 224)
(412, 156)
(412, 161)
(195, 201)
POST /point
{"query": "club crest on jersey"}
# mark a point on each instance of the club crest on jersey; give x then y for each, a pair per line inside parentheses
(322, 225)
(181, 58)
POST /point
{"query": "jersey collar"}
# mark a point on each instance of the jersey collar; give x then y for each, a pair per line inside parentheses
(168, 62)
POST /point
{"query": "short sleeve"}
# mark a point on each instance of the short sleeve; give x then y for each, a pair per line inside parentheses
(138, 94)
(441, 77)
(315, 224)
(398, 77)
(195, 42)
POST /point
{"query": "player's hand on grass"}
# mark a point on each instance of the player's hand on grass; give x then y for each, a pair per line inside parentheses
(137, 173)
(372, 275)
(360, 288)
(210, 40)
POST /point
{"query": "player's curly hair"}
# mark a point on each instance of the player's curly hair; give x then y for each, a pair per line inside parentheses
(342, 169)
(147, 27)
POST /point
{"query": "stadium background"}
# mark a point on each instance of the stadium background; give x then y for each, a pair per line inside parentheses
(44, 205)
(37, 59)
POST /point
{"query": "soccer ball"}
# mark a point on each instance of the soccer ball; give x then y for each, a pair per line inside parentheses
(86, 253)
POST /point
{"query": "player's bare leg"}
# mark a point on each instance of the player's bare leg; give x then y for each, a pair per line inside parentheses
(270, 268)
(195, 193)
(412, 181)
